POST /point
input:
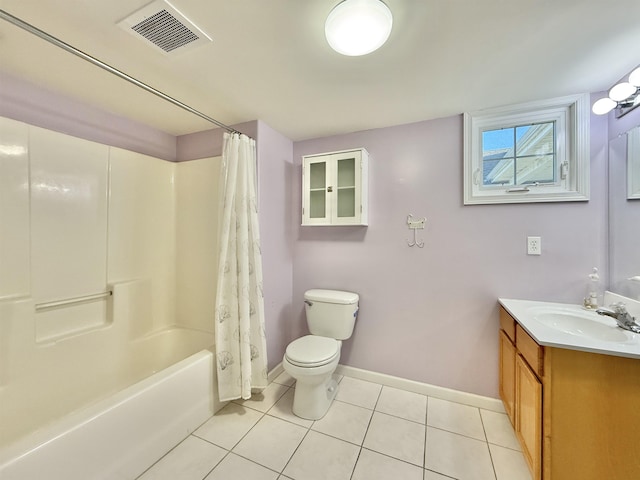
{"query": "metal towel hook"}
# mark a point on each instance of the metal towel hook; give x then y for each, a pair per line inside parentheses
(415, 225)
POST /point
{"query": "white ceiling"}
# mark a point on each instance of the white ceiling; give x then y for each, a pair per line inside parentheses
(269, 60)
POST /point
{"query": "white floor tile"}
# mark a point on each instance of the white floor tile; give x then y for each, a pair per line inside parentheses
(400, 403)
(266, 399)
(229, 425)
(284, 409)
(429, 475)
(455, 417)
(396, 437)
(358, 392)
(509, 464)
(375, 466)
(457, 456)
(285, 379)
(235, 467)
(321, 457)
(462, 442)
(271, 442)
(499, 430)
(190, 460)
(345, 421)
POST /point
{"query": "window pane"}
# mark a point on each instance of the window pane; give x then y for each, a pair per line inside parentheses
(497, 143)
(535, 139)
(540, 169)
(498, 172)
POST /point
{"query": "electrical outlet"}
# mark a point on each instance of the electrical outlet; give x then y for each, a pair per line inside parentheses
(534, 246)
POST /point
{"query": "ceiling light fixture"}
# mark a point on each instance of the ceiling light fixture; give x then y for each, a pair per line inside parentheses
(358, 27)
(623, 97)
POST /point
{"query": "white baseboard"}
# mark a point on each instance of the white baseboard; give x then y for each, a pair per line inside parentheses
(479, 401)
(273, 374)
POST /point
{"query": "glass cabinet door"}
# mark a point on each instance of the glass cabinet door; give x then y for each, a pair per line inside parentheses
(346, 180)
(318, 189)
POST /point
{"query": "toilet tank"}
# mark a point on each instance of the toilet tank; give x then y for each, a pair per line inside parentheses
(331, 313)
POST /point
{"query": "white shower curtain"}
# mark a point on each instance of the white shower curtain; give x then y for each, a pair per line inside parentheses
(239, 325)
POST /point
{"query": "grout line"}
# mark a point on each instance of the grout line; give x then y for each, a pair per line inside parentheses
(426, 429)
(459, 434)
(216, 465)
(294, 452)
(252, 461)
(484, 430)
(438, 473)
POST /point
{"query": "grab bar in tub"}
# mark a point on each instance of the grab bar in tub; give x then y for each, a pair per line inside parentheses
(70, 301)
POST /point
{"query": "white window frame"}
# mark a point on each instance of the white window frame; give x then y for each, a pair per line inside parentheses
(571, 115)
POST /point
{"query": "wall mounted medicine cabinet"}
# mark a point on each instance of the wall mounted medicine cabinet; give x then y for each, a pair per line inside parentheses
(334, 188)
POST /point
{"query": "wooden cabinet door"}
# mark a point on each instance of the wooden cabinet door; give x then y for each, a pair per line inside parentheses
(508, 375)
(528, 409)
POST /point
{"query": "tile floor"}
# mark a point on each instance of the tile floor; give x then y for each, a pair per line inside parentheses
(371, 432)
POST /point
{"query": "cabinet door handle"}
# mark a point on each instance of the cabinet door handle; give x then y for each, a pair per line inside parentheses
(329, 189)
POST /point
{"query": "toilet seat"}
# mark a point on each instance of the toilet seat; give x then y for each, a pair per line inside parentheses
(312, 351)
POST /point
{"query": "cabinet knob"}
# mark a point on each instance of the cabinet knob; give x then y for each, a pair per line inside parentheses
(329, 189)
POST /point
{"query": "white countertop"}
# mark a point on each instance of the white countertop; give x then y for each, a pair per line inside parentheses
(627, 344)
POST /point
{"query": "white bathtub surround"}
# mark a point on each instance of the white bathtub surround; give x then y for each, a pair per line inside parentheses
(80, 218)
(239, 323)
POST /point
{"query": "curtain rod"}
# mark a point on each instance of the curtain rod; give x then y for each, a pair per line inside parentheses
(85, 56)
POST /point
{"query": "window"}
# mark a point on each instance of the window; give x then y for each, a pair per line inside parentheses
(534, 152)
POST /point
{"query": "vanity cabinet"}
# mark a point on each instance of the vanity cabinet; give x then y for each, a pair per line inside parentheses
(521, 388)
(576, 414)
(334, 188)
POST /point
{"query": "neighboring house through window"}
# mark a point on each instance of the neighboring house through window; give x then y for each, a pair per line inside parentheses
(534, 152)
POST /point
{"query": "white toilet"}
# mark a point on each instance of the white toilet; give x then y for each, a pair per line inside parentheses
(312, 359)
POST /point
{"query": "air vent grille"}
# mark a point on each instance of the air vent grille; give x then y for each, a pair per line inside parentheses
(165, 31)
(165, 27)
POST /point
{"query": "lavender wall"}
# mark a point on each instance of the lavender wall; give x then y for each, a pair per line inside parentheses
(276, 210)
(208, 143)
(26, 102)
(431, 314)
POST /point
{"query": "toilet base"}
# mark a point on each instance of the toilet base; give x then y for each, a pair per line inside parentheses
(312, 400)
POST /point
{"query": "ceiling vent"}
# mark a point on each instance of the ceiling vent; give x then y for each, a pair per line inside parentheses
(164, 27)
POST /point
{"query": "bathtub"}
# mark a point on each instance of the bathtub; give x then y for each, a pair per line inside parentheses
(120, 436)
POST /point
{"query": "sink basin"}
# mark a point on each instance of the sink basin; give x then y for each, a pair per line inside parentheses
(583, 324)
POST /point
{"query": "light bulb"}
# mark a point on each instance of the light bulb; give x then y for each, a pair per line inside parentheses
(358, 27)
(621, 91)
(634, 77)
(603, 106)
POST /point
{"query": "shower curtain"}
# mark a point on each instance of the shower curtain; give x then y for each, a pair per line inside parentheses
(239, 324)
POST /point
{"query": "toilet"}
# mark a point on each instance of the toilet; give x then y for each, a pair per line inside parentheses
(312, 359)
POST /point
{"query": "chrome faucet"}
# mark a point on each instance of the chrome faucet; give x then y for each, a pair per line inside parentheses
(623, 318)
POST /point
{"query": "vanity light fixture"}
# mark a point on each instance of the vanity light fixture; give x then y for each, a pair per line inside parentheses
(358, 27)
(623, 97)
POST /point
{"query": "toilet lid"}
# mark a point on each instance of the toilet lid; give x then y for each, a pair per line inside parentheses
(312, 351)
